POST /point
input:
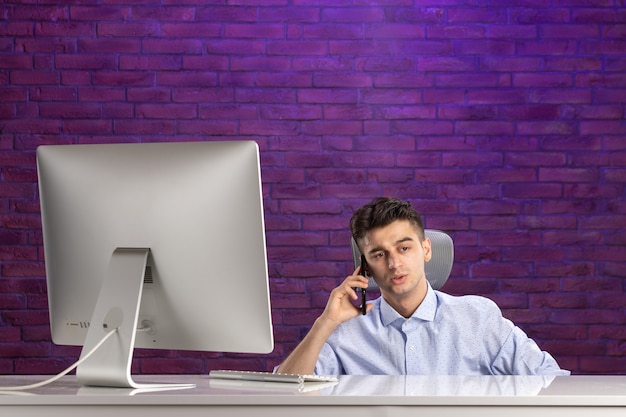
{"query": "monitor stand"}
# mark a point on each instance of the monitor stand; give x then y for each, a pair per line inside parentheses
(117, 308)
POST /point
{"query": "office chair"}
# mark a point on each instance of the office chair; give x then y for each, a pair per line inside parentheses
(440, 264)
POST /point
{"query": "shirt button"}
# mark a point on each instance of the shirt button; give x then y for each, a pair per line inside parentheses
(411, 347)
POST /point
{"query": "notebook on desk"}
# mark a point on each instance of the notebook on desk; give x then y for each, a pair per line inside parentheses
(270, 377)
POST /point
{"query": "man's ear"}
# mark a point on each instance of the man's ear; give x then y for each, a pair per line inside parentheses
(428, 253)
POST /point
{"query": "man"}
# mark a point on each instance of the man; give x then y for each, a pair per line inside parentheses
(411, 328)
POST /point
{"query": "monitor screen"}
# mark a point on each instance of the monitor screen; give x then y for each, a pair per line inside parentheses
(167, 238)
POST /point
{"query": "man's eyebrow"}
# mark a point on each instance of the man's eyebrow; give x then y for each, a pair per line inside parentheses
(404, 239)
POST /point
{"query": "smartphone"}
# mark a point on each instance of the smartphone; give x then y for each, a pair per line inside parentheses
(359, 260)
(363, 290)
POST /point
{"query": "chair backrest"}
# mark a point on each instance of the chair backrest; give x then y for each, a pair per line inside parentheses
(437, 269)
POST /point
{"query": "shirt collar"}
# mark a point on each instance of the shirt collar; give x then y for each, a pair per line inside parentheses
(425, 312)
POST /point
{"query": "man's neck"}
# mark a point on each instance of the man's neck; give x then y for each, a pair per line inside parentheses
(408, 304)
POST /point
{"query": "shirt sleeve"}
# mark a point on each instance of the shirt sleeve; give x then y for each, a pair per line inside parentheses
(519, 354)
(327, 362)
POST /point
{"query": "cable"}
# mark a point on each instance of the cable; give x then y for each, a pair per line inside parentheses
(62, 374)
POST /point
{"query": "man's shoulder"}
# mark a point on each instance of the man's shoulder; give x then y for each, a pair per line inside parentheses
(475, 303)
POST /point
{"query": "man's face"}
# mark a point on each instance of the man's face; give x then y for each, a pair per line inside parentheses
(396, 256)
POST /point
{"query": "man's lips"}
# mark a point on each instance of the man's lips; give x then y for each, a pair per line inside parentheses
(398, 279)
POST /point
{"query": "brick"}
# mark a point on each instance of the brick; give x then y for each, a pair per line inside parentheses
(234, 47)
(346, 14)
(468, 80)
(390, 175)
(602, 365)
(530, 190)
(436, 176)
(230, 13)
(592, 112)
(39, 78)
(212, 62)
(16, 62)
(359, 47)
(565, 175)
(280, 112)
(123, 78)
(117, 111)
(284, 80)
(447, 63)
(322, 95)
(70, 111)
(129, 29)
(17, 126)
(423, 127)
(376, 127)
(332, 127)
(185, 79)
(269, 95)
(333, 31)
(513, 31)
(466, 159)
(198, 95)
(529, 15)
(269, 128)
(604, 96)
(604, 47)
(424, 47)
(234, 79)
(591, 191)
(139, 127)
(65, 29)
(101, 94)
(76, 78)
(172, 46)
(163, 63)
(574, 63)
(484, 127)
(310, 63)
(602, 128)
(237, 111)
(166, 111)
(487, 223)
(405, 112)
(396, 80)
(347, 112)
(547, 47)
(325, 176)
(210, 128)
(256, 31)
(290, 14)
(297, 48)
(87, 127)
(394, 31)
(191, 30)
(499, 96)
(104, 13)
(277, 64)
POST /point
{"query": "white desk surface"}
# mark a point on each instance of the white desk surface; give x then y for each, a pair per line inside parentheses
(367, 395)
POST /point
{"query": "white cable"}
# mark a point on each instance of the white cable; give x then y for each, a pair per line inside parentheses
(67, 371)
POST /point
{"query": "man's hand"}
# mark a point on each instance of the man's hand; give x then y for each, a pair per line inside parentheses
(340, 306)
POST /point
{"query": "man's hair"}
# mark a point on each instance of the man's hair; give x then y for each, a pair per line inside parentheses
(381, 212)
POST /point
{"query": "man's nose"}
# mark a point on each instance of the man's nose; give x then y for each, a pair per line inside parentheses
(392, 262)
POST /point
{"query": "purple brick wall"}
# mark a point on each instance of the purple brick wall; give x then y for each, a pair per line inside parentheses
(502, 121)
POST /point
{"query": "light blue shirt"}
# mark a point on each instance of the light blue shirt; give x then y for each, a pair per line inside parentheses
(446, 335)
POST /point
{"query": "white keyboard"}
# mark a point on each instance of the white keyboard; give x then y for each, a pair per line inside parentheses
(271, 377)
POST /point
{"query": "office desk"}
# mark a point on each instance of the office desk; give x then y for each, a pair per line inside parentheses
(362, 396)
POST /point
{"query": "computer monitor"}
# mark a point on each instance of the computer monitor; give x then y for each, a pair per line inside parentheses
(167, 238)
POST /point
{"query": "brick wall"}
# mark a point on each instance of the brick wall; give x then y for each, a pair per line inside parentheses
(502, 121)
